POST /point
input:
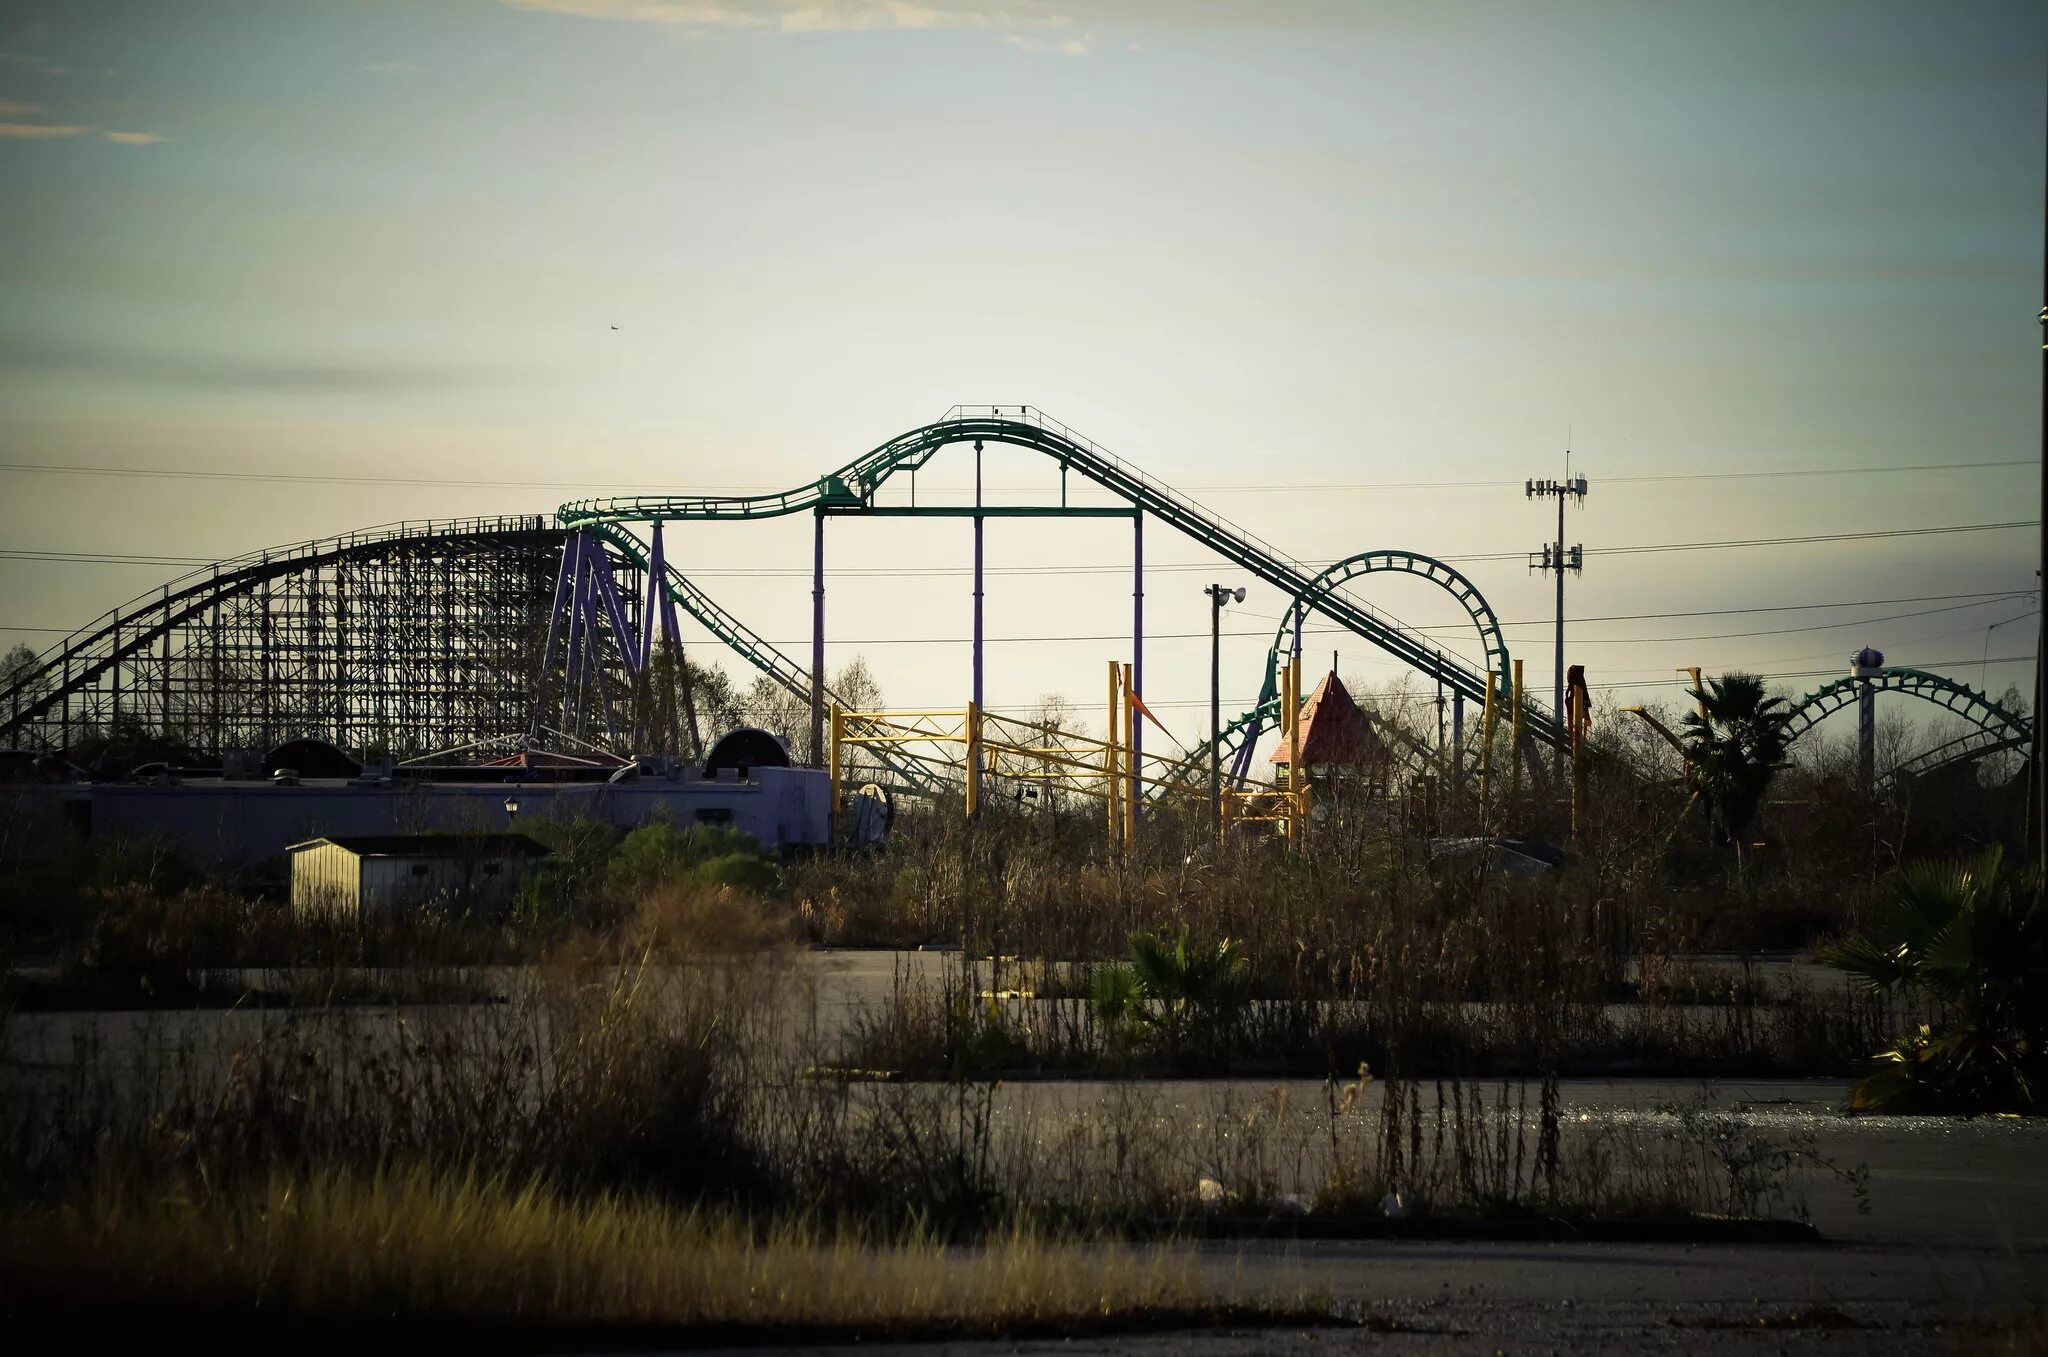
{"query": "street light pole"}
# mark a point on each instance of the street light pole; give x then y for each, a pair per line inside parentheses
(1218, 595)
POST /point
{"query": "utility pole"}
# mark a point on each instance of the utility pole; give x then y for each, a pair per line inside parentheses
(1219, 594)
(1555, 558)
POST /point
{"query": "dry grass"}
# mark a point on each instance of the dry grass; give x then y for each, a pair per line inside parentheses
(425, 1245)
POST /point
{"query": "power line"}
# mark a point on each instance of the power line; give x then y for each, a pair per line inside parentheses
(1984, 597)
(876, 572)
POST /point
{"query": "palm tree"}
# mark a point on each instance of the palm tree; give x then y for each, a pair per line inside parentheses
(1973, 938)
(1174, 987)
(1734, 746)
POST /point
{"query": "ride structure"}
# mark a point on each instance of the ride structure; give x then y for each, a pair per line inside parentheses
(425, 637)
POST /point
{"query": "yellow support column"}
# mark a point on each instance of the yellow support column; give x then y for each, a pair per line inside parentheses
(1486, 721)
(1132, 772)
(1112, 775)
(973, 760)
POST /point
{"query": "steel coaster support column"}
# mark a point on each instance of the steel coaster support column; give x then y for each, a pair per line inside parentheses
(818, 632)
(654, 592)
(1458, 744)
(116, 650)
(1866, 737)
(1515, 741)
(832, 764)
(1137, 654)
(593, 654)
(1487, 719)
(607, 590)
(572, 573)
(978, 522)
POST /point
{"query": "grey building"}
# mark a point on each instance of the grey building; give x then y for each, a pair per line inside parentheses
(363, 875)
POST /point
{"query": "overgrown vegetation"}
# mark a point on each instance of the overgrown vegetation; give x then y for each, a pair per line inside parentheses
(1971, 938)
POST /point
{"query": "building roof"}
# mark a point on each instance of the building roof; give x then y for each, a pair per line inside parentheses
(1333, 730)
(431, 845)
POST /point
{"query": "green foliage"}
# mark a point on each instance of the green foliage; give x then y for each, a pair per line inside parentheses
(1734, 746)
(1972, 937)
(570, 886)
(659, 853)
(741, 871)
(1183, 993)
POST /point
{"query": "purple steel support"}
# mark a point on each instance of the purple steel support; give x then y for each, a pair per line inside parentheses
(978, 520)
(572, 650)
(1241, 761)
(568, 610)
(658, 596)
(1137, 801)
(654, 591)
(818, 639)
(593, 653)
(1458, 740)
(607, 591)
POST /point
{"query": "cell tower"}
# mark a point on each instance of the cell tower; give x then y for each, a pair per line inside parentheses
(1556, 558)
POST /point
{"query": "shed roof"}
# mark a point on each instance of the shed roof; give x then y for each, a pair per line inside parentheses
(1334, 730)
(431, 845)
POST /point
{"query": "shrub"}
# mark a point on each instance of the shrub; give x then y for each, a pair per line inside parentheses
(1973, 937)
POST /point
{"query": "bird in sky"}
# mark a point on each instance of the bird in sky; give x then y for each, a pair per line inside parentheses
(615, 327)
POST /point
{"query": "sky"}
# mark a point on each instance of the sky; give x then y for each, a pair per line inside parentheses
(1347, 273)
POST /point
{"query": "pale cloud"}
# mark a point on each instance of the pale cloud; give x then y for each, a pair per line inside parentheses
(135, 138)
(807, 16)
(1070, 47)
(40, 131)
(393, 68)
(12, 108)
(33, 62)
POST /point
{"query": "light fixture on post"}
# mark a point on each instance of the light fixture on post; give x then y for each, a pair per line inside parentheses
(511, 810)
(1219, 594)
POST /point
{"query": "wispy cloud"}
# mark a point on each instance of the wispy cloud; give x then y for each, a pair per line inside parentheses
(35, 63)
(807, 16)
(1070, 47)
(40, 131)
(251, 371)
(135, 138)
(392, 68)
(13, 108)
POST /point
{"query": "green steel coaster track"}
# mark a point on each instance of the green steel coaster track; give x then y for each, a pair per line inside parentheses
(853, 487)
(1995, 727)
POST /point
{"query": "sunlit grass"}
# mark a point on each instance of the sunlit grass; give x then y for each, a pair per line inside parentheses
(419, 1243)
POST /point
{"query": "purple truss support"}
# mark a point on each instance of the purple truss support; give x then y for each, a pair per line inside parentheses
(593, 667)
(651, 604)
(606, 591)
(573, 625)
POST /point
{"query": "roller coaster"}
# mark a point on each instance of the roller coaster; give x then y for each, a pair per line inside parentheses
(416, 638)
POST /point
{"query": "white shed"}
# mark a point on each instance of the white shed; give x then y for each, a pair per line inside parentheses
(358, 875)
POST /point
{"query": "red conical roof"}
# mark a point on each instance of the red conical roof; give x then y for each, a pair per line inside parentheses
(1334, 730)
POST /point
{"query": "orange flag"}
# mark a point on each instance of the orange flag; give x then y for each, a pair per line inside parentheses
(1145, 711)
